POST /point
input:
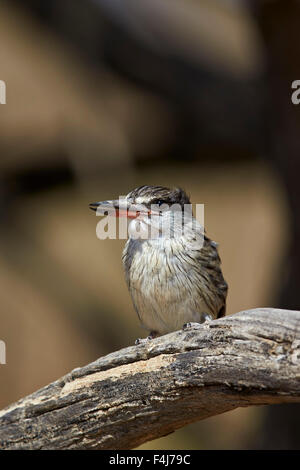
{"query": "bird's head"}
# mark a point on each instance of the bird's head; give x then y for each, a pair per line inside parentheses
(153, 197)
(144, 200)
(145, 205)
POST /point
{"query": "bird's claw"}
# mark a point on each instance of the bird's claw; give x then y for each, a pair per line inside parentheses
(151, 336)
(143, 340)
(190, 324)
(206, 318)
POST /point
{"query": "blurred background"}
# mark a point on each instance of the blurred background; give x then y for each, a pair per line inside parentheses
(107, 95)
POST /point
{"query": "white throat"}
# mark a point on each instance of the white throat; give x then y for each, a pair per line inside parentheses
(168, 225)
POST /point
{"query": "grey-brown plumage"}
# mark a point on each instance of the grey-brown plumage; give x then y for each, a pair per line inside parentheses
(172, 268)
(172, 279)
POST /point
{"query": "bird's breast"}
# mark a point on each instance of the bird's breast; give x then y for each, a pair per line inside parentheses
(166, 282)
(150, 262)
(158, 272)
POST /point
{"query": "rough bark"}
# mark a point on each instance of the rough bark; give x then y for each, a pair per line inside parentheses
(146, 391)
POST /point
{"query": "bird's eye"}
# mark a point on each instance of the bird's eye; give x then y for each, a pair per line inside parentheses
(160, 202)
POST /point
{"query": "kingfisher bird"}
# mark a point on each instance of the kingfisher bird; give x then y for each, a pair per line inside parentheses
(172, 268)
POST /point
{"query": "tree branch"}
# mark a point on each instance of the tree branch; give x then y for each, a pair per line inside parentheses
(147, 391)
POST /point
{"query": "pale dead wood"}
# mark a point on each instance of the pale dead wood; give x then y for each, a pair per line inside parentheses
(143, 392)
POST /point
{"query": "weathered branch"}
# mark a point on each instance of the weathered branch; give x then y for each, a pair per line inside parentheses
(147, 391)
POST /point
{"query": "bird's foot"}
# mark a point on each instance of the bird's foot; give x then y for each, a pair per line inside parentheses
(206, 318)
(142, 340)
(191, 324)
(151, 336)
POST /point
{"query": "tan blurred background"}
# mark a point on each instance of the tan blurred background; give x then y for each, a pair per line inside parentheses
(103, 97)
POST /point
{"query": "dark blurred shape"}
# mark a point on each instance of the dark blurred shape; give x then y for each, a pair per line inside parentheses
(211, 81)
(33, 180)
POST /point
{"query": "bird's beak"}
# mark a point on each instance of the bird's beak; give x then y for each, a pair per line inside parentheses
(119, 208)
